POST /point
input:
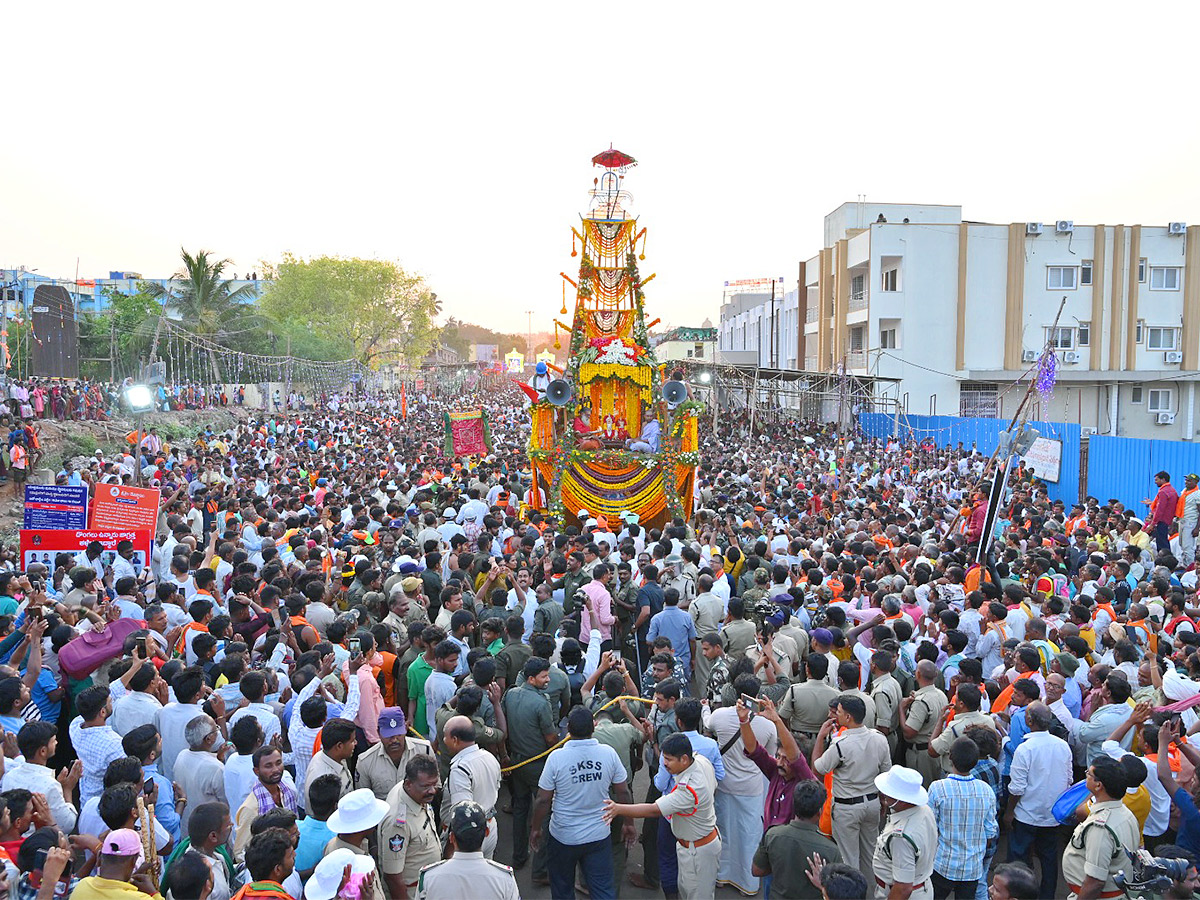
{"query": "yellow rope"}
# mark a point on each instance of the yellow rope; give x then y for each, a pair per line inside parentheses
(550, 750)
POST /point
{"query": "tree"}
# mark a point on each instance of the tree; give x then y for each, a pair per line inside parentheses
(375, 307)
(206, 303)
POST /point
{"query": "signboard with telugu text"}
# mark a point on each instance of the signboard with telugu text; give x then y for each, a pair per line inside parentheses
(124, 507)
(42, 545)
(55, 506)
(1044, 458)
(751, 285)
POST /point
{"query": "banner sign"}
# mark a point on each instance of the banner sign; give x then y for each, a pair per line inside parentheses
(123, 507)
(41, 545)
(1045, 458)
(467, 433)
(55, 506)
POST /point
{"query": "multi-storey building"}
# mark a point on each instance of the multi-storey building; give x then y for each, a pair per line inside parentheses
(945, 315)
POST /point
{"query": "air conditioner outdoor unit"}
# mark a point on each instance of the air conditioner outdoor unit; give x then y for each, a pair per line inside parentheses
(1177, 228)
(1064, 226)
(1173, 356)
(1165, 418)
(1070, 357)
(1029, 355)
(1034, 228)
(1087, 430)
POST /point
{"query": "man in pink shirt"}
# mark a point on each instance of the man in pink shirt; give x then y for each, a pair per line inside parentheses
(370, 702)
(597, 608)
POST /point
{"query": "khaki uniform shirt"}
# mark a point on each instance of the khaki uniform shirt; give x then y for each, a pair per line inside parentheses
(690, 805)
(904, 851)
(408, 838)
(323, 765)
(467, 875)
(806, 706)
(956, 729)
(855, 757)
(737, 636)
(474, 775)
(377, 771)
(886, 696)
(926, 710)
(1097, 846)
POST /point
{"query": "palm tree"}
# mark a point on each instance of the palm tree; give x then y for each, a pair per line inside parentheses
(204, 301)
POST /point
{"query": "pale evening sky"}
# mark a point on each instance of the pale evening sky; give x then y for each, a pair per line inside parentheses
(456, 138)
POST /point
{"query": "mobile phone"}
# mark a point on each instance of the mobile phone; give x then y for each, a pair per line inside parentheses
(142, 647)
(35, 612)
(39, 860)
(354, 646)
(149, 788)
(751, 701)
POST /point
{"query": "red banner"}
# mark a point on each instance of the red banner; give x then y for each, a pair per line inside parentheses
(42, 545)
(119, 506)
(467, 435)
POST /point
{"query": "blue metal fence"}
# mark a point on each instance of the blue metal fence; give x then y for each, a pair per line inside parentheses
(1124, 468)
(983, 435)
(1118, 468)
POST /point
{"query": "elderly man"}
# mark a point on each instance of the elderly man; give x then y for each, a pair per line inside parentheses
(383, 765)
(199, 771)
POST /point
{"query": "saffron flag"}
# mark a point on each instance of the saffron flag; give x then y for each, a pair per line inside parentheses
(404, 400)
(467, 433)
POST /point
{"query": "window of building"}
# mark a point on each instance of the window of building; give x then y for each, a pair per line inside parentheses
(1142, 270)
(1160, 400)
(1061, 278)
(689, 354)
(1135, 395)
(891, 280)
(887, 338)
(856, 338)
(1085, 272)
(1164, 278)
(1162, 338)
(978, 399)
(698, 351)
(858, 287)
(1139, 333)
(1061, 338)
(1083, 334)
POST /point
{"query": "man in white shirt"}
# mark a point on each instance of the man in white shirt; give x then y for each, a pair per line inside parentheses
(136, 698)
(1041, 771)
(173, 718)
(37, 742)
(198, 770)
(254, 687)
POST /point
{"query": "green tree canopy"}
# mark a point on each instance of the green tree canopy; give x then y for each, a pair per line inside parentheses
(374, 307)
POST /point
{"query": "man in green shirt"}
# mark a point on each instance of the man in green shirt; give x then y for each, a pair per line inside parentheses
(513, 655)
(784, 852)
(418, 673)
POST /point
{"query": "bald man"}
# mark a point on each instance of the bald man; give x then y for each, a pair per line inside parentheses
(474, 775)
(919, 715)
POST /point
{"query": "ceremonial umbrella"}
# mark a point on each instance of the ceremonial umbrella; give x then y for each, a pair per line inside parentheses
(613, 159)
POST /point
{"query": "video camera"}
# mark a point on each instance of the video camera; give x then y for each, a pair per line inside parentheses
(1151, 874)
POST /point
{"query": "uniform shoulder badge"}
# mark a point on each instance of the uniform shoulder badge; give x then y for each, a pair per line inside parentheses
(396, 843)
(500, 865)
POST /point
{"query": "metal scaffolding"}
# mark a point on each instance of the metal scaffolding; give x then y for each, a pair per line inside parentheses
(772, 395)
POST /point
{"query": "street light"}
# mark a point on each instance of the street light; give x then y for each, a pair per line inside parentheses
(140, 400)
(705, 377)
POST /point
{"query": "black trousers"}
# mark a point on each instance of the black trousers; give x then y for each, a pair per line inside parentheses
(943, 888)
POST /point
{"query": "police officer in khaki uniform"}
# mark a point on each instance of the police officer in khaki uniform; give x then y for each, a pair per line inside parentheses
(691, 807)
(1096, 851)
(855, 757)
(885, 694)
(357, 816)
(474, 775)
(967, 700)
(805, 707)
(920, 714)
(381, 767)
(408, 838)
(467, 873)
(906, 846)
(847, 677)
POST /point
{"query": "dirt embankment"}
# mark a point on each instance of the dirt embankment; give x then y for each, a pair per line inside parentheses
(79, 441)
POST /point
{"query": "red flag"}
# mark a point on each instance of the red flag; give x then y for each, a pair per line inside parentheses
(404, 400)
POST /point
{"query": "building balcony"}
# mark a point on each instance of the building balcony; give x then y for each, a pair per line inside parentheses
(858, 300)
(810, 313)
(856, 359)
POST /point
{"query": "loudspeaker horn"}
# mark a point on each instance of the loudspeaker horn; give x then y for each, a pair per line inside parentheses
(559, 392)
(674, 391)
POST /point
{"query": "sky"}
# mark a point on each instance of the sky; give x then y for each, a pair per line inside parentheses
(456, 138)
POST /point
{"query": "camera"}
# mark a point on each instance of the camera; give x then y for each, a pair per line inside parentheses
(1153, 874)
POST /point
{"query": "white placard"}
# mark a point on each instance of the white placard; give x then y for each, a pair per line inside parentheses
(1045, 458)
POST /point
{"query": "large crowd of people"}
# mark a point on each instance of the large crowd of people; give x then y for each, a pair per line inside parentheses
(358, 668)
